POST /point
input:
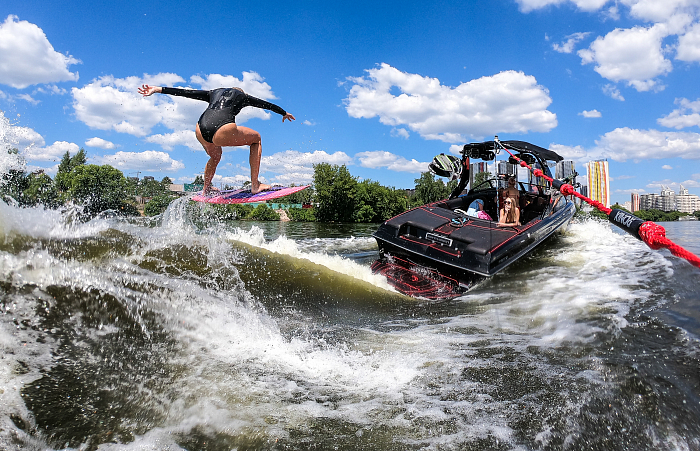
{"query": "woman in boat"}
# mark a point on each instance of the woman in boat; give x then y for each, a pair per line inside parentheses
(512, 192)
(217, 127)
(509, 215)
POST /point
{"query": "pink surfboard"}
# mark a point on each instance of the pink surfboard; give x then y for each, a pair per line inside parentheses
(244, 196)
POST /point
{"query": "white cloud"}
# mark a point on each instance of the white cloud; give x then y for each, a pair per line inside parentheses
(400, 133)
(109, 103)
(632, 55)
(148, 161)
(28, 98)
(613, 92)
(624, 144)
(571, 41)
(591, 113)
(689, 45)
(101, 143)
(687, 115)
(661, 11)
(585, 5)
(308, 122)
(382, 159)
(508, 102)
(666, 166)
(28, 58)
(54, 152)
(297, 167)
(182, 137)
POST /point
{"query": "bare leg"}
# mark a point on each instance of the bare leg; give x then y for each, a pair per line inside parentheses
(233, 135)
(214, 153)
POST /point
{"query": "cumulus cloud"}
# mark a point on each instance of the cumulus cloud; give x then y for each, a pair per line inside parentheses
(28, 58)
(382, 159)
(148, 161)
(689, 45)
(632, 55)
(585, 5)
(400, 133)
(571, 41)
(624, 144)
(508, 102)
(613, 92)
(666, 166)
(687, 115)
(591, 113)
(292, 166)
(661, 11)
(54, 152)
(181, 137)
(15, 136)
(101, 143)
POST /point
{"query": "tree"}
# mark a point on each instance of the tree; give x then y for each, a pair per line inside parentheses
(377, 203)
(428, 189)
(14, 182)
(198, 180)
(158, 204)
(98, 188)
(480, 178)
(335, 193)
(65, 167)
(41, 190)
(264, 213)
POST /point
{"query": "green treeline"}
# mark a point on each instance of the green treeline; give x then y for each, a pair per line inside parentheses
(335, 196)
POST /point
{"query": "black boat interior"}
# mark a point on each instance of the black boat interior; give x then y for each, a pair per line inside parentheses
(533, 200)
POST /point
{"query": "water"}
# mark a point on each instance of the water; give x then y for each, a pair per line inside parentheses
(171, 334)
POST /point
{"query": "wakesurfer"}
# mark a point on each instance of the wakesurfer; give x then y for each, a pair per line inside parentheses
(217, 127)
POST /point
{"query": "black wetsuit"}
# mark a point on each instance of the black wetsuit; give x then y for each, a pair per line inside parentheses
(224, 105)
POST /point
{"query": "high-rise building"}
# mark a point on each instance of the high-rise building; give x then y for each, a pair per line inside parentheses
(634, 202)
(599, 181)
(564, 169)
(505, 168)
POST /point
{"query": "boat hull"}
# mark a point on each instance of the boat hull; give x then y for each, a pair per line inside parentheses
(434, 242)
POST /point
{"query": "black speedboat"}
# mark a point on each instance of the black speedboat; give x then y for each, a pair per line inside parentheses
(441, 249)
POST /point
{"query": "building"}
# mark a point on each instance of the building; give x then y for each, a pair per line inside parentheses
(670, 201)
(685, 202)
(565, 169)
(599, 181)
(507, 169)
(634, 202)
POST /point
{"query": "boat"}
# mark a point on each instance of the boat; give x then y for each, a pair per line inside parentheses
(442, 249)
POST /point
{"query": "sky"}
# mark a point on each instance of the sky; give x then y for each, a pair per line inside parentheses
(381, 87)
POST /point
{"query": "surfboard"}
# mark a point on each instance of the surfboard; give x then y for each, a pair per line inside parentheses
(244, 196)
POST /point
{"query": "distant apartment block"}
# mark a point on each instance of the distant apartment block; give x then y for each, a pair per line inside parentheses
(599, 181)
(670, 201)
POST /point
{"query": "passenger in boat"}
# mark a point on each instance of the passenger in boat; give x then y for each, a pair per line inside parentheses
(476, 210)
(217, 127)
(509, 215)
(512, 191)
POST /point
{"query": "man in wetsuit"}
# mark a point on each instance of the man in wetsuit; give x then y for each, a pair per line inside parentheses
(217, 127)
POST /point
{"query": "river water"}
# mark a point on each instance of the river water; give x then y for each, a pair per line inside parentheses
(175, 333)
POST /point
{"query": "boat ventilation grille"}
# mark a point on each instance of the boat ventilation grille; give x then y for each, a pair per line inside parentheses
(439, 239)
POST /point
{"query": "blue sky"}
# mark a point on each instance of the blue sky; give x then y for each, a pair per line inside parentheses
(379, 86)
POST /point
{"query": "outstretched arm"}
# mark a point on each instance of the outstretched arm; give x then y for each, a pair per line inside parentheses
(264, 104)
(196, 94)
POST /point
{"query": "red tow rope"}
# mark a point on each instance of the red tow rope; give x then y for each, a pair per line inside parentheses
(651, 233)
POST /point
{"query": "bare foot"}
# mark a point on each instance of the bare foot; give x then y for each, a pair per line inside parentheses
(261, 187)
